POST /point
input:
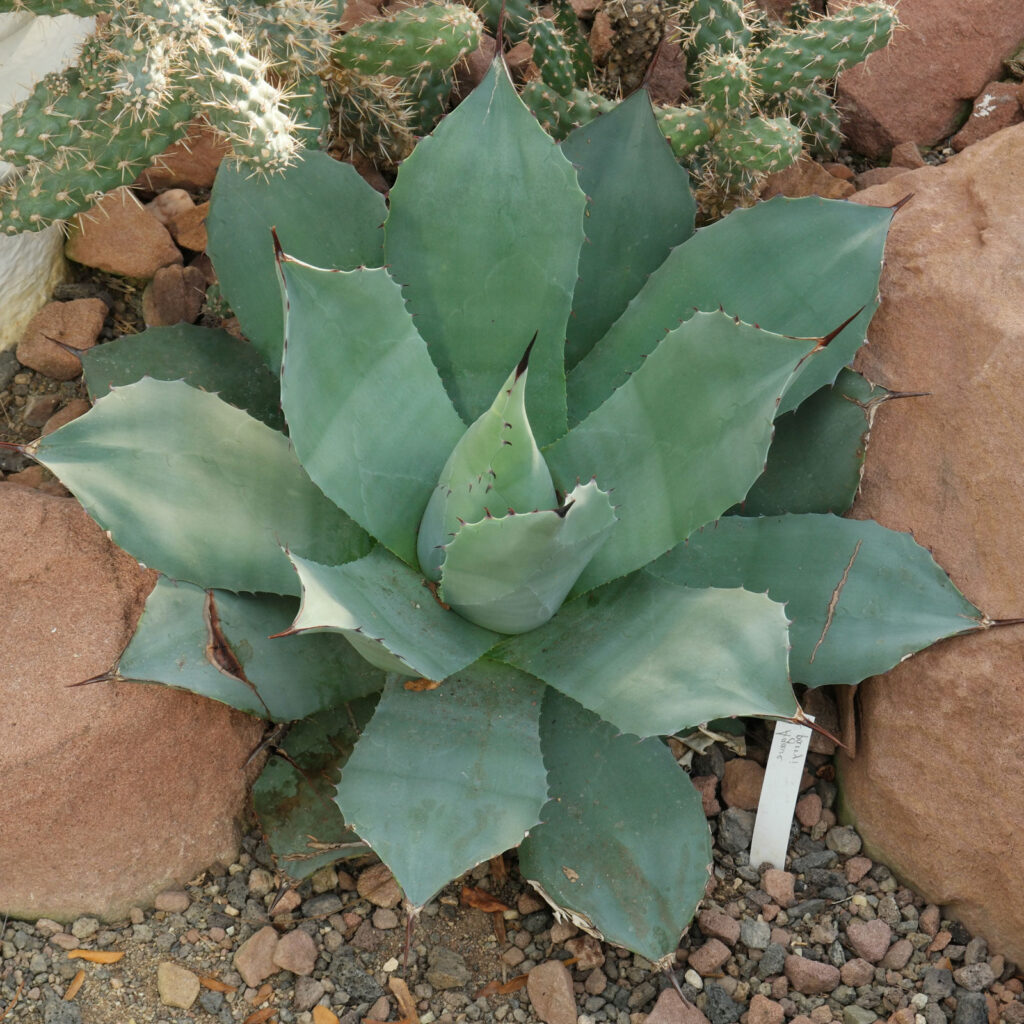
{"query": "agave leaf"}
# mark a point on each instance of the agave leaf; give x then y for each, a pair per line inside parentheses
(861, 597)
(443, 779)
(294, 795)
(202, 357)
(484, 233)
(323, 211)
(682, 439)
(639, 206)
(197, 488)
(217, 644)
(386, 612)
(816, 457)
(495, 467)
(366, 410)
(653, 658)
(512, 574)
(631, 859)
(798, 267)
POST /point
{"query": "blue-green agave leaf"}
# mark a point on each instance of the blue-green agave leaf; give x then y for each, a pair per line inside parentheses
(861, 597)
(294, 795)
(624, 843)
(817, 454)
(512, 574)
(639, 206)
(798, 267)
(484, 233)
(384, 609)
(324, 213)
(653, 658)
(467, 783)
(495, 468)
(366, 410)
(203, 357)
(198, 489)
(217, 644)
(682, 439)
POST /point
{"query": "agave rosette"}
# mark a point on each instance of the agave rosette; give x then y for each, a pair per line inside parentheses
(498, 569)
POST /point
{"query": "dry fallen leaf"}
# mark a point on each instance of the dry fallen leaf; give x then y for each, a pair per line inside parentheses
(321, 1015)
(76, 984)
(481, 900)
(260, 1016)
(406, 1003)
(263, 993)
(95, 956)
(499, 872)
(496, 988)
(420, 685)
(498, 918)
(215, 985)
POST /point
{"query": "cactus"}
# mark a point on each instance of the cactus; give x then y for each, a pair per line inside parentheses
(495, 434)
(153, 66)
(747, 76)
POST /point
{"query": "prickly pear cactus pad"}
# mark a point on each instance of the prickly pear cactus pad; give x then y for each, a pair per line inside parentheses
(486, 572)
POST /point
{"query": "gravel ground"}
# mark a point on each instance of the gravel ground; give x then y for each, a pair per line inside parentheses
(832, 938)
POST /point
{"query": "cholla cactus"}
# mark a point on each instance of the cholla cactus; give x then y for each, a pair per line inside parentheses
(272, 77)
(759, 89)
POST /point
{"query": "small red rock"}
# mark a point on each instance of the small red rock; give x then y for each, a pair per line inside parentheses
(254, 960)
(811, 977)
(188, 229)
(780, 886)
(707, 786)
(869, 939)
(930, 919)
(716, 925)
(170, 204)
(549, 986)
(76, 324)
(670, 1009)
(296, 952)
(898, 955)
(997, 106)
(877, 176)
(366, 937)
(709, 957)
(174, 901)
(378, 885)
(906, 154)
(856, 868)
(741, 784)
(39, 408)
(808, 810)
(175, 295)
(857, 972)
(75, 408)
(941, 941)
(190, 163)
(588, 952)
(764, 1011)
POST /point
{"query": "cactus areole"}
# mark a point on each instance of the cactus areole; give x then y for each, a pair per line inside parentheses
(483, 575)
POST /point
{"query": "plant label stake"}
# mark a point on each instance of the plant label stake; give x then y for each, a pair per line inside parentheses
(779, 791)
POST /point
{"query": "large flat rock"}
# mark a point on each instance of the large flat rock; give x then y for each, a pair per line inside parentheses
(934, 786)
(111, 792)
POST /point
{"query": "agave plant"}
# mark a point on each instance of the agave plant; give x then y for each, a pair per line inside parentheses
(518, 402)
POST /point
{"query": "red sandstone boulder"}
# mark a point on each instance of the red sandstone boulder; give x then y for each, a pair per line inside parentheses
(934, 783)
(916, 88)
(111, 792)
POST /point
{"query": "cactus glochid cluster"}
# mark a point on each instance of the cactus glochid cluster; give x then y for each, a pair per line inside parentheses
(757, 88)
(272, 77)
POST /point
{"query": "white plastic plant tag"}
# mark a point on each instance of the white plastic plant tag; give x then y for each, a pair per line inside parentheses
(779, 793)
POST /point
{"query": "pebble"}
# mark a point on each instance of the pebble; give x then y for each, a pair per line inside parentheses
(709, 957)
(174, 901)
(378, 885)
(549, 986)
(254, 960)
(177, 985)
(869, 939)
(296, 952)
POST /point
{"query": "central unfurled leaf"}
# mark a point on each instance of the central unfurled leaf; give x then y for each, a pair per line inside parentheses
(512, 574)
(444, 779)
(495, 468)
(388, 614)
